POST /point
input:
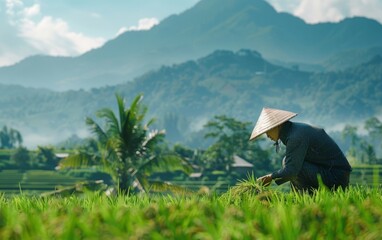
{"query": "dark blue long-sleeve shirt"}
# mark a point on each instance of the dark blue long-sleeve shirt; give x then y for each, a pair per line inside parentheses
(311, 144)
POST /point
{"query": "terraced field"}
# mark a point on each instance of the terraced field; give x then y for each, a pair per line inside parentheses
(199, 185)
(33, 181)
(370, 175)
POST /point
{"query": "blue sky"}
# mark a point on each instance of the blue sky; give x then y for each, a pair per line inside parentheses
(72, 27)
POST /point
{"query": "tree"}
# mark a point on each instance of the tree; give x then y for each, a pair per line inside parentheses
(374, 127)
(351, 132)
(232, 138)
(193, 156)
(46, 156)
(126, 148)
(360, 150)
(21, 157)
(9, 138)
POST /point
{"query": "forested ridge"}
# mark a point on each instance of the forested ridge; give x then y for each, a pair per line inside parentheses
(236, 84)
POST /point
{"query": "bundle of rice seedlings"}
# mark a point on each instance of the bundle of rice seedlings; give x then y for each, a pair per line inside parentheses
(248, 186)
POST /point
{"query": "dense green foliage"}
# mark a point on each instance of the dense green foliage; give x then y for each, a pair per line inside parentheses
(362, 149)
(354, 214)
(231, 139)
(45, 157)
(21, 157)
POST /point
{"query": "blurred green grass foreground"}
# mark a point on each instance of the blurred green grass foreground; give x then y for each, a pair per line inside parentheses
(267, 214)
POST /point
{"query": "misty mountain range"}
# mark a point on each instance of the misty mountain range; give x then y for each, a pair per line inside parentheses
(208, 26)
(227, 57)
(184, 96)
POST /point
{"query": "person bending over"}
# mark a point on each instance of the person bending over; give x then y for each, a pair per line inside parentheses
(310, 153)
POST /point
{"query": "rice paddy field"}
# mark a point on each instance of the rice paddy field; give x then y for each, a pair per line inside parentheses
(243, 211)
(240, 213)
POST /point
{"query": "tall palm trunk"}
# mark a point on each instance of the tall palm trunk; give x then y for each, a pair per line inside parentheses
(124, 183)
(128, 184)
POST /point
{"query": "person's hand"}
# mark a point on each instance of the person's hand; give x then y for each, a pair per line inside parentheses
(265, 180)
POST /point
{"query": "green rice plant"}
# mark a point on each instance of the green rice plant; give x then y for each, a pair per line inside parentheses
(354, 213)
(247, 186)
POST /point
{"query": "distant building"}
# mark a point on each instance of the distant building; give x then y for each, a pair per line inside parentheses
(61, 155)
(241, 166)
(196, 175)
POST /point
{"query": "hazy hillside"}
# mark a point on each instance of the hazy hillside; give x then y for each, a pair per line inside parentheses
(184, 96)
(240, 84)
(208, 26)
(351, 58)
(221, 83)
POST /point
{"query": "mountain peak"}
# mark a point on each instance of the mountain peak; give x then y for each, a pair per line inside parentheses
(227, 55)
(241, 60)
(229, 7)
(206, 15)
(236, 4)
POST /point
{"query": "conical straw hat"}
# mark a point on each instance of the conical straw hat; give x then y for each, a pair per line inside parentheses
(268, 119)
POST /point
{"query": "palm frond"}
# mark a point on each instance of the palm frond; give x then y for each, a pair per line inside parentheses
(135, 107)
(108, 115)
(165, 163)
(116, 148)
(141, 113)
(132, 132)
(121, 109)
(150, 122)
(153, 138)
(97, 130)
(77, 161)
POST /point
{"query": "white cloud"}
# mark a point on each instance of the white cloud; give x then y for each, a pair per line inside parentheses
(8, 58)
(36, 34)
(369, 8)
(284, 6)
(53, 36)
(318, 11)
(121, 30)
(11, 5)
(330, 10)
(143, 24)
(32, 11)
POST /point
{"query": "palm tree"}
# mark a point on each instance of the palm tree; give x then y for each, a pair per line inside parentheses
(126, 148)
